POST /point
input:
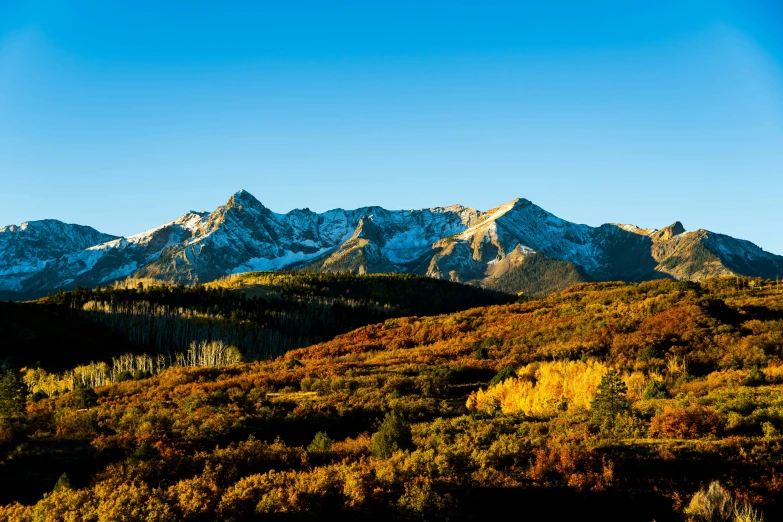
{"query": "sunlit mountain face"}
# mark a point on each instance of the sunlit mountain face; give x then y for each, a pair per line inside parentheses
(512, 247)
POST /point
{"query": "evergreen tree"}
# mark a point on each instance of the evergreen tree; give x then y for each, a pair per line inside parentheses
(394, 434)
(63, 483)
(656, 390)
(610, 399)
(321, 442)
(756, 377)
(84, 397)
(503, 375)
(13, 393)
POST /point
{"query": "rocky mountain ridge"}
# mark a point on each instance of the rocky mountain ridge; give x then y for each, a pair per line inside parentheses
(492, 248)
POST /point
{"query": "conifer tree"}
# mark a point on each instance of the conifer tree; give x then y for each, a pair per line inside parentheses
(610, 399)
(656, 390)
(394, 434)
(84, 397)
(63, 483)
(503, 375)
(321, 442)
(13, 394)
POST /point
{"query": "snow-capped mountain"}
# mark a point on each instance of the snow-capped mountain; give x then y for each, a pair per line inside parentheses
(492, 248)
(25, 249)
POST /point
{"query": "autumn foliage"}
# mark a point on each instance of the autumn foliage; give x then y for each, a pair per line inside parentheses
(398, 420)
(690, 422)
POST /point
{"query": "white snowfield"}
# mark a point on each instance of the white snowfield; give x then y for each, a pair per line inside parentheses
(454, 242)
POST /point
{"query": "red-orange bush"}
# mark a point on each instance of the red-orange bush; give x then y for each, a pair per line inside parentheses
(686, 423)
(578, 468)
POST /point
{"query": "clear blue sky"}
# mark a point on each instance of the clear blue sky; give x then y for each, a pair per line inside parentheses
(124, 115)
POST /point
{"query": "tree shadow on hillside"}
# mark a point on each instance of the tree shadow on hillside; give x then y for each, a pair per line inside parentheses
(555, 504)
(26, 477)
(55, 337)
(762, 313)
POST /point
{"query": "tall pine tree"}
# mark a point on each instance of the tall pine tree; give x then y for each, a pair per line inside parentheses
(13, 394)
(610, 399)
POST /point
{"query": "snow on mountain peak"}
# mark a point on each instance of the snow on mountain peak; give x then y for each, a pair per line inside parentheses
(454, 242)
(635, 229)
(243, 197)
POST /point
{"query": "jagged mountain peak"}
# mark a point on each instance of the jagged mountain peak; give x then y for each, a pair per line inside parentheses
(244, 198)
(635, 229)
(26, 250)
(60, 230)
(514, 204)
(521, 208)
(520, 202)
(666, 233)
(242, 193)
(676, 228)
(369, 230)
(42, 224)
(36, 225)
(454, 242)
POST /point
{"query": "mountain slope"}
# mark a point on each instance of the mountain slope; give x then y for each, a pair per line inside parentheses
(454, 243)
(537, 275)
(26, 249)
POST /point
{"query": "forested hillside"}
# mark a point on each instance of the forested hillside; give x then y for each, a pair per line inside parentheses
(55, 338)
(262, 314)
(537, 275)
(650, 401)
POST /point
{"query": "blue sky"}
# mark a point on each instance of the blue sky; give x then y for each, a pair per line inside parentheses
(126, 115)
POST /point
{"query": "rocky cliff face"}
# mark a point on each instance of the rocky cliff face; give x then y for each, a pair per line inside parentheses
(456, 243)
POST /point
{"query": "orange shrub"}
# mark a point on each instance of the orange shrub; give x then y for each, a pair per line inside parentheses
(686, 423)
(578, 468)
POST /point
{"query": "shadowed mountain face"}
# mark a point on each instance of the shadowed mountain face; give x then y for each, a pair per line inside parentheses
(512, 247)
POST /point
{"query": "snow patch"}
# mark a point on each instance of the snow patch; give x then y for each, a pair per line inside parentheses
(263, 264)
(123, 271)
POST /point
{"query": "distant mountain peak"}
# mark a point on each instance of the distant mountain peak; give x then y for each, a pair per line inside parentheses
(520, 202)
(36, 225)
(244, 198)
(368, 229)
(26, 250)
(666, 233)
(677, 228)
(635, 229)
(454, 242)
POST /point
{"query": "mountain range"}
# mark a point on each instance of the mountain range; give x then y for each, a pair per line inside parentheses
(517, 247)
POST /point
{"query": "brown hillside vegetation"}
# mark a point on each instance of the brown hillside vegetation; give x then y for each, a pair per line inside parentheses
(610, 400)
